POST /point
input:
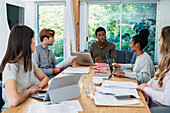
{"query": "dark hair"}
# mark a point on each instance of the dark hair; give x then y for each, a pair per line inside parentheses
(46, 33)
(100, 29)
(141, 38)
(19, 46)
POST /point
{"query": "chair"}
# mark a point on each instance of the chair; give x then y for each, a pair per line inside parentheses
(125, 57)
(1, 100)
(160, 109)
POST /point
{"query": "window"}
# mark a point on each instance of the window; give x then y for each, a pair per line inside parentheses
(107, 16)
(122, 22)
(52, 16)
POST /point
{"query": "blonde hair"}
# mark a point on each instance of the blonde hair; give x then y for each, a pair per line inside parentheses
(164, 64)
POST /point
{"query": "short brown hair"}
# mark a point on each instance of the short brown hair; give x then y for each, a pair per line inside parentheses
(46, 32)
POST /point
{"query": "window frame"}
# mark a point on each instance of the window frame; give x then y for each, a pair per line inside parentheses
(37, 40)
(83, 36)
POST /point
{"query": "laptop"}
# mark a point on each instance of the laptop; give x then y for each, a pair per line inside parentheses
(84, 59)
(61, 89)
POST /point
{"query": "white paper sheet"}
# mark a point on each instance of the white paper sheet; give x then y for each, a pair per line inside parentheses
(130, 84)
(71, 103)
(66, 62)
(77, 70)
(118, 91)
(54, 108)
(101, 99)
(74, 103)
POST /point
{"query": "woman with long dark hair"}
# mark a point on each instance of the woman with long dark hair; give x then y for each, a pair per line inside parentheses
(19, 73)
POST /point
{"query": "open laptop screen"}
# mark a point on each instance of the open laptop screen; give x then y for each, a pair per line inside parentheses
(83, 58)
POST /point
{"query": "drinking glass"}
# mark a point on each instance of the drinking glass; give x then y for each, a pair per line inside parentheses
(81, 81)
(89, 89)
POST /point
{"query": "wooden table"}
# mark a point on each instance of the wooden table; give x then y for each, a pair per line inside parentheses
(86, 102)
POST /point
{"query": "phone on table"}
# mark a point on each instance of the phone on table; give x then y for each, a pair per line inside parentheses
(125, 97)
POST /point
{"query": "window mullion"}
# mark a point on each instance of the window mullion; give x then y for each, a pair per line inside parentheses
(121, 25)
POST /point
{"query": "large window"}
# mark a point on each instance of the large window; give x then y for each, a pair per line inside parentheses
(52, 16)
(122, 22)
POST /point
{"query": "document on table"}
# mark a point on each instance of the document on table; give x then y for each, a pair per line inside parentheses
(71, 103)
(76, 70)
(110, 100)
(74, 103)
(66, 62)
(108, 83)
(54, 108)
(118, 91)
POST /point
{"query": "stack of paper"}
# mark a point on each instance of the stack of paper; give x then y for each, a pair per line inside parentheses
(110, 100)
(105, 95)
(76, 70)
(130, 84)
(54, 108)
(118, 91)
(64, 107)
(103, 75)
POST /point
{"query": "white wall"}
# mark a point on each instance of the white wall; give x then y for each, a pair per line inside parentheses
(4, 28)
(163, 20)
(30, 17)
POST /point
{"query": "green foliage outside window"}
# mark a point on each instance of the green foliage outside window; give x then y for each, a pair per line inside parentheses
(53, 17)
(134, 18)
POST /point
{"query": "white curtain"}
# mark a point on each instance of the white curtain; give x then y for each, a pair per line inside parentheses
(70, 34)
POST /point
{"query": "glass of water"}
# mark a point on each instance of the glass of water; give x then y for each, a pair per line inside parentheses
(89, 89)
(81, 81)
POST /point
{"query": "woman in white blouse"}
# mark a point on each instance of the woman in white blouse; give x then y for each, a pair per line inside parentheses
(158, 88)
(19, 72)
(143, 69)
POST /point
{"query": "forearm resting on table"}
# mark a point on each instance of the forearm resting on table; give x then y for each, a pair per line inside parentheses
(15, 98)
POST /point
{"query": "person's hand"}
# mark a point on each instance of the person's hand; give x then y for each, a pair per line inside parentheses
(116, 65)
(34, 89)
(57, 69)
(142, 86)
(74, 62)
(119, 73)
(98, 60)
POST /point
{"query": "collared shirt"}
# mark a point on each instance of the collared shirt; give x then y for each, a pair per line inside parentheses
(45, 59)
(97, 51)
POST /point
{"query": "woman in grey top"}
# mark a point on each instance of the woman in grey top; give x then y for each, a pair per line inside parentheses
(18, 71)
(143, 69)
